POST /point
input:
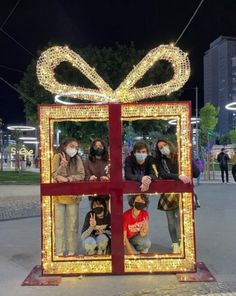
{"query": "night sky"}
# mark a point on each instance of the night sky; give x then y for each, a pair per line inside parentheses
(78, 23)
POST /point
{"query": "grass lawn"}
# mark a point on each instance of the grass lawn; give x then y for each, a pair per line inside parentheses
(21, 178)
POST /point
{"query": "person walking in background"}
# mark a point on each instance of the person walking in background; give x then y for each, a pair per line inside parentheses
(223, 159)
(234, 165)
(200, 165)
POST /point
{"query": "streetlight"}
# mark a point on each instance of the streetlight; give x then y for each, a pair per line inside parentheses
(196, 115)
(23, 128)
(58, 131)
(194, 120)
(232, 107)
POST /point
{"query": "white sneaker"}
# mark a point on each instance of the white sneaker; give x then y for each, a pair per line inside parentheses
(71, 254)
(176, 248)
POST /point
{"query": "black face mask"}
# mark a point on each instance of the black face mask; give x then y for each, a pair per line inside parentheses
(139, 205)
(98, 151)
(98, 210)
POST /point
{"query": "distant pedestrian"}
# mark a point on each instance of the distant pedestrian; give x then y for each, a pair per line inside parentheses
(234, 165)
(28, 162)
(200, 165)
(223, 159)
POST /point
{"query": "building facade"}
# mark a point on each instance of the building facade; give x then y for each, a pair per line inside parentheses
(220, 79)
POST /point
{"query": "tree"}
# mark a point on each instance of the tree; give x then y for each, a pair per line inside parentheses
(208, 118)
(224, 139)
(232, 135)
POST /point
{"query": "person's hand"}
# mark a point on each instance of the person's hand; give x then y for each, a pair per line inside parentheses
(63, 161)
(61, 179)
(92, 220)
(185, 179)
(93, 178)
(146, 180)
(104, 178)
(144, 228)
(144, 187)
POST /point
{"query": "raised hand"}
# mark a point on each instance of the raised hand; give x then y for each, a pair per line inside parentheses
(92, 220)
(64, 161)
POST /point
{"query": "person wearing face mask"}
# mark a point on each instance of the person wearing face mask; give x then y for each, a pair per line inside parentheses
(167, 166)
(136, 226)
(96, 231)
(97, 164)
(67, 167)
(140, 166)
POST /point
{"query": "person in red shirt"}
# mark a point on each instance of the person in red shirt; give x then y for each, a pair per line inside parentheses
(136, 226)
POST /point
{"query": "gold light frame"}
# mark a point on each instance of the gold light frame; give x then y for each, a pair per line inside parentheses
(180, 111)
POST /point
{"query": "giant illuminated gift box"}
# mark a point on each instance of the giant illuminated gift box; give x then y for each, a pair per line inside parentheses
(117, 106)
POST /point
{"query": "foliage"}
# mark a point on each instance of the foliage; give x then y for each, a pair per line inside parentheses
(16, 178)
(224, 139)
(209, 119)
(232, 135)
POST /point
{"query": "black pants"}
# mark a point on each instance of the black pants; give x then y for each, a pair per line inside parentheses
(224, 169)
(234, 172)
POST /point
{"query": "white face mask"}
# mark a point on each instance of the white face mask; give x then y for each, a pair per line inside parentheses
(165, 151)
(71, 151)
(140, 157)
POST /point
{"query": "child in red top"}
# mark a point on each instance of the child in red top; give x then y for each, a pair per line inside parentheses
(136, 225)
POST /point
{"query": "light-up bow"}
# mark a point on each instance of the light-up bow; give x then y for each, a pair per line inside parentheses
(126, 92)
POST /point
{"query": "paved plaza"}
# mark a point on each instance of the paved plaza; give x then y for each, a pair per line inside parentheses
(216, 240)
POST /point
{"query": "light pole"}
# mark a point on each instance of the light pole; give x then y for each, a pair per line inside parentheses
(1, 143)
(58, 131)
(197, 135)
(196, 115)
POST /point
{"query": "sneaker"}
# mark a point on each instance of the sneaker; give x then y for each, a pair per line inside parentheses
(176, 248)
(71, 254)
(198, 204)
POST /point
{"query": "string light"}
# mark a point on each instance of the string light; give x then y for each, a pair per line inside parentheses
(126, 92)
(53, 264)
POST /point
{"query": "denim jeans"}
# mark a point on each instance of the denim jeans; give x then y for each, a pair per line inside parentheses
(140, 244)
(96, 244)
(66, 224)
(173, 220)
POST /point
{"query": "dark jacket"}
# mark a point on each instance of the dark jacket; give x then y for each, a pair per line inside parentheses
(101, 223)
(135, 171)
(169, 170)
(223, 158)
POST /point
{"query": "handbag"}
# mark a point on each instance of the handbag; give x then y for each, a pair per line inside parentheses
(168, 202)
